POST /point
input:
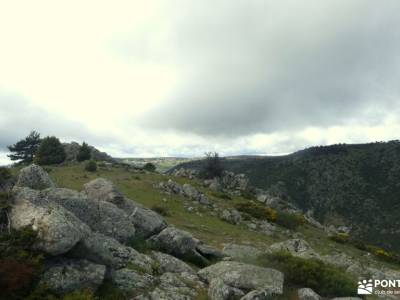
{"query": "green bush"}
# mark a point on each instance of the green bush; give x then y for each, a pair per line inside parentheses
(290, 220)
(108, 291)
(91, 166)
(5, 174)
(161, 210)
(149, 167)
(257, 210)
(221, 195)
(50, 151)
(19, 265)
(80, 295)
(341, 238)
(325, 279)
(84, 152)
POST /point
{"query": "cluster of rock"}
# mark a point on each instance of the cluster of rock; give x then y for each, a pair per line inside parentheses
(186, 190)
(230, 183)
(186, 173)
(72, 150)
(86, 234)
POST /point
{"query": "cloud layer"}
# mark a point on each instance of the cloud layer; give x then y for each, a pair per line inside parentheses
(163, 78)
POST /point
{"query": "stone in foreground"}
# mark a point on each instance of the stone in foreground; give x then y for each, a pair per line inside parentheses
(244, 276)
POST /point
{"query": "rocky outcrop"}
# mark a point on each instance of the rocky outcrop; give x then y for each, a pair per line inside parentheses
(186, 173)
(129, 280)
(146, 221)
(72, 150)
(107, 251)
(231, 183)
(218, 290)
(101, 189)
(168, 263)
(296, 247)
(181, 244)
(244, 277)
(187, 191)
(68, 276)
(307, 294)
(58, 230)
(173, 286)
(231, 216)
(34, 177)
(241, 252)
(101, 216)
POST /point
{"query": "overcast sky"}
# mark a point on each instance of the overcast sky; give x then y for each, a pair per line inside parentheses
(168, 78)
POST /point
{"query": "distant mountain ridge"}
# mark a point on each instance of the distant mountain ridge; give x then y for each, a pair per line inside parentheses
(353, 184)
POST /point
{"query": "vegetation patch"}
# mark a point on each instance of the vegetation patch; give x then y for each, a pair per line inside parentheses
(91, 166)
(325, 279)
(257, 210)
(161, 210)
(290, 220)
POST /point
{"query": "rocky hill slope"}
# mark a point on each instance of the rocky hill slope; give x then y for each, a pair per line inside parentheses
(354, 185)
(120, 233)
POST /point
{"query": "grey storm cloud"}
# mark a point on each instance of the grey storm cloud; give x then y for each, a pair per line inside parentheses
(264, 66)
(18, 117)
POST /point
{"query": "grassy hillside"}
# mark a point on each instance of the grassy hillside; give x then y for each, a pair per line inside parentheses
(354, 184)
(202, 223)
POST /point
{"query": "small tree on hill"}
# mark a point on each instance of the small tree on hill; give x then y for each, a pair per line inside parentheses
(25, 149)
(149, 167)
(50, 151)
(84, 152)
(213, 166)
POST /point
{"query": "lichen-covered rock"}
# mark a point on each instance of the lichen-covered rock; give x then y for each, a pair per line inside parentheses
(34, 177)
(241, 252)
(218, 290)
(58, 229)
(178, 243)
(168, 263)
(244, 276)
(101, 216)
(172, 287)
(130, 280)
(108, 251)
(307, 294)
(68, 276)
(231, 216)
(146, 221)
(296, 247)
(259, 295)
(103, 190)
(190, 192)
(338, 259)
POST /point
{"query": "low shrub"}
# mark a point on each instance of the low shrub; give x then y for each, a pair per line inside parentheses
(325, 279)
(5, 174)
(341, 238)
(108, 291)
(80, 295)
(383, 254)
(290, 220)
(149, 167)
(221, 195)
(139, 243)
(19, 265)
(257, 210)
(161, 210)
(91, 166)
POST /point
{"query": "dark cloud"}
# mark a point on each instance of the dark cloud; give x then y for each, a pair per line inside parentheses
(19, 116)
(265, 66)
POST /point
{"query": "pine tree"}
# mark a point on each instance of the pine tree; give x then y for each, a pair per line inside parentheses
(84, 153)
(25, 149)
(50, 151)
